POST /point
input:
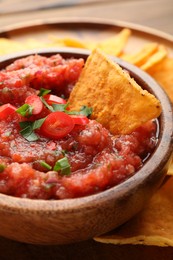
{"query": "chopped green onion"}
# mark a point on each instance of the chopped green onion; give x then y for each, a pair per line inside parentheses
(43, 92)
(25, 110)
(2, 167)
(45, 165)
(46, 104)
(63, 166)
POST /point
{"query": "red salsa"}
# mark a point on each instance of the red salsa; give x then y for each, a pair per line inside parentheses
(50, 152)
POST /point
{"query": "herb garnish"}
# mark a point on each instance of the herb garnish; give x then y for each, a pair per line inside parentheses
(45, 165)
(85, 111)
(28, 134)
(43, 92)
(28, 128)
(47, 105)
(25, 110)
(2, 167)
(63, 166)
(60, 107)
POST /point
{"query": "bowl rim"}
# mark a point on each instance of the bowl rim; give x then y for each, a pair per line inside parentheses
(164, 145)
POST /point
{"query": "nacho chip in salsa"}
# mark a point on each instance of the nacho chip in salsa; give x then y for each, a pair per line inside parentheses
(118, 102)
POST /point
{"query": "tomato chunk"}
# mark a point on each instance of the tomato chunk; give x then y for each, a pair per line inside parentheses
(52, 99)
(35, 102)
(57, 125)
(6, 110)
(80, 119)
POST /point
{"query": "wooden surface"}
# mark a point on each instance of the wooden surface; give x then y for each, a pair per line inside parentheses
(153, 13)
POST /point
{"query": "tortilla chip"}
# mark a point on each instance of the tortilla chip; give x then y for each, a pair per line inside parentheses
(118, 102)
(9, 46)
(115, 45)
(68, 42)
(155, 58)
(152, 226)
(141, 56)
(163, 74)
(33, 44)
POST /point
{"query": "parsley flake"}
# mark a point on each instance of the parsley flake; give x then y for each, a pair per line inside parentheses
(60, 107)
(85, 111)
(28, 128)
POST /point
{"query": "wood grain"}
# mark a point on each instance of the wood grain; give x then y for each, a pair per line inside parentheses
(15, 6)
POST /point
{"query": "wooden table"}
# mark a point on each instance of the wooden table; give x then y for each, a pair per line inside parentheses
(153, 13)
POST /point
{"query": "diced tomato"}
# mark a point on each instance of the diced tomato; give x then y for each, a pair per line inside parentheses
(6, 110)
(80, 119)
(57, 125)
(52, 99)
(36, 104)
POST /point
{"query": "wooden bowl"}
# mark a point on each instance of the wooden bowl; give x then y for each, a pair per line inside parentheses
(72, 220)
